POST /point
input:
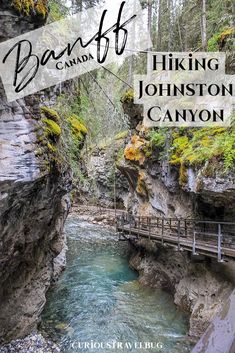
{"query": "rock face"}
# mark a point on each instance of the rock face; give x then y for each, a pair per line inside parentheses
(163, 184)
(198, 288)
(33, 204)
(102, 176)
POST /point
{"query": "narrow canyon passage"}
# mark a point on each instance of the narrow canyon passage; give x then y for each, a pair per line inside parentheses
(99, 299)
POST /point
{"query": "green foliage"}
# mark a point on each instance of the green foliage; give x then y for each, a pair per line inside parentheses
(58, 10)
(93, 108)
(62, 139)
(198, 146)
(215, 41)
(77, 127)
(157, 138)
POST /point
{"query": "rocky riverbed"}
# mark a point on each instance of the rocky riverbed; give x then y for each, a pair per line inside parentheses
(34, 343)
(94, 214)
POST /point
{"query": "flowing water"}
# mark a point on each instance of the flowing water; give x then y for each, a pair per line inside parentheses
(99, 306)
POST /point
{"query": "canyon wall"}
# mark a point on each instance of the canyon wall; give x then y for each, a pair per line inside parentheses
(34, 187)
(102, 180)
(181, 173)
(199, 288)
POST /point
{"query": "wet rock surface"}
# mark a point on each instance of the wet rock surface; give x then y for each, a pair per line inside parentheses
(102, 177)
(33, 203)
(198, 288)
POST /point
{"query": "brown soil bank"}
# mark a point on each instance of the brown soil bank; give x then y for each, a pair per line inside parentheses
(199, 286)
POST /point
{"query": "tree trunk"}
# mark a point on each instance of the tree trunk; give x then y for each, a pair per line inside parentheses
(150, 11)
(159, 26)
(203, 26)
(170, 25)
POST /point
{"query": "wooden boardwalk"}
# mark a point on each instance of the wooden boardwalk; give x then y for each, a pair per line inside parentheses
(209, 238)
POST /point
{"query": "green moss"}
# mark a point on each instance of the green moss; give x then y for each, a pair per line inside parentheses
(201, 145)
(213, 43)
(24, 7)
(180, 143)
(52, 129)
(51, 148)
(128, 96)
(41, 8)
(147, 150)
(50, 114)
(28, 7)
(79, 130)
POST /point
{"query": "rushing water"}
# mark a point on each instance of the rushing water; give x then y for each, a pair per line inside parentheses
(98, 301)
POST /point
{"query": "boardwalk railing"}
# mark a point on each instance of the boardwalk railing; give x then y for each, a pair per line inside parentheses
(214, 239)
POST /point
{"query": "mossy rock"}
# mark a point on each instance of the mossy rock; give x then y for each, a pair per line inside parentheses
(79, 130)
(30, 7)
(52, 129)
(50, 114)
(198, 146)
(128, 96)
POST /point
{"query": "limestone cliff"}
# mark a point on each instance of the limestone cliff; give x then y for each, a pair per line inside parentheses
(34, 184)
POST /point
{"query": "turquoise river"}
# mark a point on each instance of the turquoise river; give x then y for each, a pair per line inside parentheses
(98, 304)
